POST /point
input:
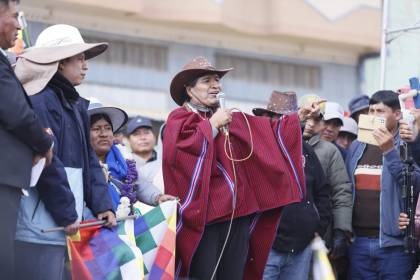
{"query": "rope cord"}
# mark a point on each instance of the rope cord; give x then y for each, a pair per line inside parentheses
(228, 143)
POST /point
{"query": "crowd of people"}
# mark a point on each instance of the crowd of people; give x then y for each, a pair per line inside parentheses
(253, 190)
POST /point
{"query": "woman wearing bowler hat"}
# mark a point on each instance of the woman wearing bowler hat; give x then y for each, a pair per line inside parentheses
(117, 162)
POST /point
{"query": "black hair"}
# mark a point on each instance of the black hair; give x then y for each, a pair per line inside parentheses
(97, 117)
(387, 97)
(191, 83)
(5, 3)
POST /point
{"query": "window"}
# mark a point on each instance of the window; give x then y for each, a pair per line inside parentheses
(125, 53)
(277, 73)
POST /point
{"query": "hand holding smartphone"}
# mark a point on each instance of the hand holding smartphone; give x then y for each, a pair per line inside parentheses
(367, 124)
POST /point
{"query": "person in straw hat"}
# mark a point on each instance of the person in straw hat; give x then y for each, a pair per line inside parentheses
(213, 189)
(23, 140)
(291, 254)
(49, 73)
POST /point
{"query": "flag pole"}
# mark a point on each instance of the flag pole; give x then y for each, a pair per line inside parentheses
(90, 224)
(384, 43)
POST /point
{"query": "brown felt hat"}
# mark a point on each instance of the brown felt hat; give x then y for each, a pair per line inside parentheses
(280, 103)
(194, 69)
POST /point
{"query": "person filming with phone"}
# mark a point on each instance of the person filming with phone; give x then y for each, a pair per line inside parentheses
(376, 173)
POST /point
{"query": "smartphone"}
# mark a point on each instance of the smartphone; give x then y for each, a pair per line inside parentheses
(367, 124)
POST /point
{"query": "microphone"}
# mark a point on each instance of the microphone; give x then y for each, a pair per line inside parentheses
(222, 105)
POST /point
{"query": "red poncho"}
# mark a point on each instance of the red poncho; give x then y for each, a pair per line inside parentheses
(196, 169)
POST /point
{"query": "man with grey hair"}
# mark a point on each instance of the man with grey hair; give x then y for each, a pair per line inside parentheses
(22, 139)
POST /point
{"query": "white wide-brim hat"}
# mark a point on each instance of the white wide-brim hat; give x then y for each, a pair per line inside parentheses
(37, 65)
(117, 116)
(59, 42)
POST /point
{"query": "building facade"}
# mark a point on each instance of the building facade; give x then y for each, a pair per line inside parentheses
(305, 46)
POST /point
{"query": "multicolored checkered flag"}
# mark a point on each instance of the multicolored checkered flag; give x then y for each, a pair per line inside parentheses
(155, 235)
(101, 253)
(143, 248)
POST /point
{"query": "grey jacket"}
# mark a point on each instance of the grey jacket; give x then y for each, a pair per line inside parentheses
(341, 192)
(147, 191)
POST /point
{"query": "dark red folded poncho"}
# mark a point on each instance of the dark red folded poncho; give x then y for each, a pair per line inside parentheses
(197, 170)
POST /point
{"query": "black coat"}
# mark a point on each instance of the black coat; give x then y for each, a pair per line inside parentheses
(299, 221)
(21, 134)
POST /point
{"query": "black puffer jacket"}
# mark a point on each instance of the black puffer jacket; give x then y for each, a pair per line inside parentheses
(300, 221)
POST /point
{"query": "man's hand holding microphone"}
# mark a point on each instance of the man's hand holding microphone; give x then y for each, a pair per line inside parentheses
(222, 117)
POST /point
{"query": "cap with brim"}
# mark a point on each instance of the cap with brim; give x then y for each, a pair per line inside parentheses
(331, 116)
(349, 126)
(117, 116)
(179, 82)
(333, 110)
(196, 68)
(263, 111)
(36, 66)
(358, 104)
(280, 103)
(358, 109)
(138, 122)
(46, 55)
(309, 99)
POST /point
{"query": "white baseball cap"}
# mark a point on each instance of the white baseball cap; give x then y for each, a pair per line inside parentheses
(349, 125)
(333, 110)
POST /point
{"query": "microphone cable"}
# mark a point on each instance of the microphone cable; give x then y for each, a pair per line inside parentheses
(229, 155)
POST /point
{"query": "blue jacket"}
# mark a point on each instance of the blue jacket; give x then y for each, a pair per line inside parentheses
(52, 202)
(391, 203)
(118, 169)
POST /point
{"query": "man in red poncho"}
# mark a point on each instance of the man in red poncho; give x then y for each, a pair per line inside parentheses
(197, 170)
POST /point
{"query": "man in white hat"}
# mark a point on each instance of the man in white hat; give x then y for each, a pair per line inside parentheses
(22, 139)
(332, 121)
(347, 134)
(49, 73)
